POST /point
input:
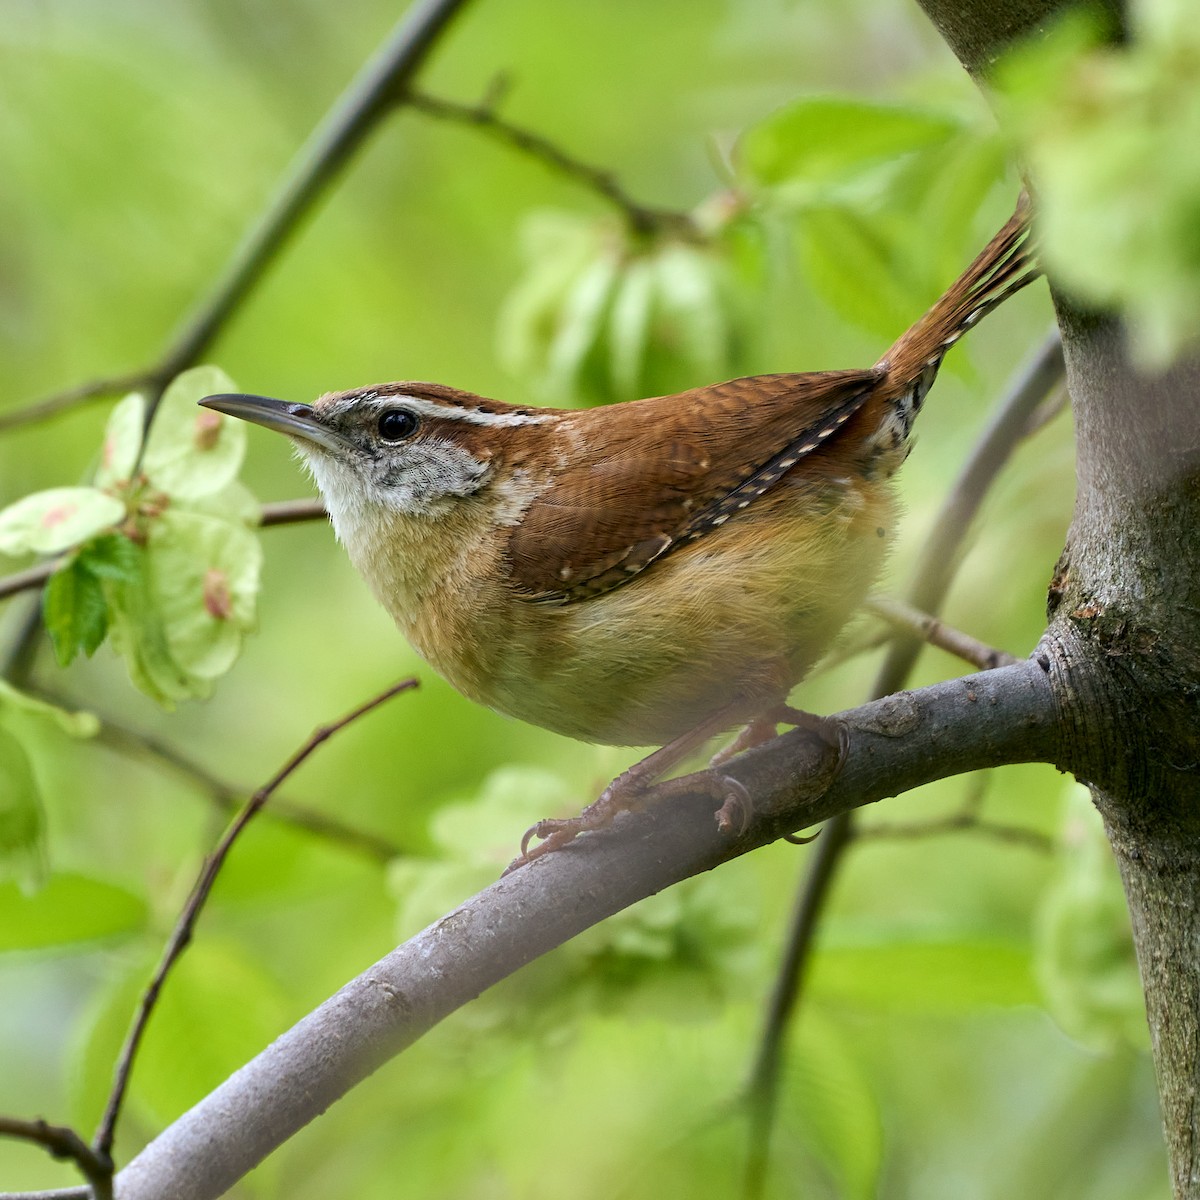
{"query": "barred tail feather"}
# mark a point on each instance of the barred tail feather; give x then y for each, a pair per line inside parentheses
(1006, 264)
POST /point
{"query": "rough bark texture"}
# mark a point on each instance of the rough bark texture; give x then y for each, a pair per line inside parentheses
(1124, 639)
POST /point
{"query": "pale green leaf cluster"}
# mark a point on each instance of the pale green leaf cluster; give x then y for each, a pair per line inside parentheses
(860, 184)
(157, 554)
(843, 190)
(1111, 136)
(599, 317)
(1084, 959)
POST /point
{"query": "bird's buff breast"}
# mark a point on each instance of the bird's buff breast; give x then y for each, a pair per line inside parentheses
(732, 621)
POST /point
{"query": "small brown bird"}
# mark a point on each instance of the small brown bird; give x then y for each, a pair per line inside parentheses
(652, 572)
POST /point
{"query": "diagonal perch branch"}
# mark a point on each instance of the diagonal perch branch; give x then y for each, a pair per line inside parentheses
(1002, 716)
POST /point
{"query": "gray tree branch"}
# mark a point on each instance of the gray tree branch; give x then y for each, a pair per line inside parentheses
(1001, 716)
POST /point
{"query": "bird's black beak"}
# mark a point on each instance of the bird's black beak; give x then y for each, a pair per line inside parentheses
(296, 420)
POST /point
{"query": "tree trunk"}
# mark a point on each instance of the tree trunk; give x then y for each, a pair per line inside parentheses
(1124, 638)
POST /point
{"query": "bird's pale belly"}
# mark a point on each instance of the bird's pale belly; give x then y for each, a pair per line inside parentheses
(731, 621)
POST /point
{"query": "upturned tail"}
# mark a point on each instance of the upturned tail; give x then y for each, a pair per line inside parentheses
(1006, 264)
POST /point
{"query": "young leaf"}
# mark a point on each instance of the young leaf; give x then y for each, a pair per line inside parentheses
(629, 328)
(556, 248)
(829, 139)
(192, 452)
(203, 575)
(52, 521)
(112, 556)
(136, 633)
(580, 324)
(69, 908)
(74, 724)
(689, 324)
(75, 611)
(122, 441)
(856, 268)
(21, 821)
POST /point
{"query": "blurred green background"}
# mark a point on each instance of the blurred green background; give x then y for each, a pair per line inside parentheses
(973, 1027)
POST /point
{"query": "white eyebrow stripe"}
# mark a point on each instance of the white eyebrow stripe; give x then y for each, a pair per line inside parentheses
(452, 412)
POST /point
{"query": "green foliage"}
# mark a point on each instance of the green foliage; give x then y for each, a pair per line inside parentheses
(52, 521)
(599, 316)
(159, 551)
(612, 1067)
(818, 143)
(675, 954)
(602, 315)
(68, 909)
(21, 819)
(860, 181)
(946, 975)
(1110, 134)
(1085, 960)
(28, 726)
(74, 604)
(218, 988)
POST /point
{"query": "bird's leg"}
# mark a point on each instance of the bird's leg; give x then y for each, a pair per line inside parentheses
(734, 814)
(628, 791)
(633, 787)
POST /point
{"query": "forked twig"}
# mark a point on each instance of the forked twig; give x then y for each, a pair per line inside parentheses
(64, 1143)
(184, 927)
(641, 218)
(937, 633)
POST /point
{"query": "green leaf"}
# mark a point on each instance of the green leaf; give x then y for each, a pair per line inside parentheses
(234, 502)
(629, 328)
(122, 441)
(136, 633)
(831, 1112)
(22, 825)
(112, 556)
(179, 623)
(556, 247)
(927, 975)
(217, 1010)
(204, 576)
(68, 908)
(75, 724)
(689, 323)
(826, 139)
(581, 322)
(75, 603)
(52, 521)
(1110, 133)
(859, 269)
(75, 611)
(192, 452)
(1084, 956)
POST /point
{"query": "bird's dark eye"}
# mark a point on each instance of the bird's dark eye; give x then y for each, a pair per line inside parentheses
(397, 424)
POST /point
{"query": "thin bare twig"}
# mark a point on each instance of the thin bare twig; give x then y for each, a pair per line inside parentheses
(291, 512)
(963, 822)
(63, 1142)
(82, 393)
(182, 933)
(642, 219)
(1037, 378)
(937, 633)
(226, 796)
(28, 579)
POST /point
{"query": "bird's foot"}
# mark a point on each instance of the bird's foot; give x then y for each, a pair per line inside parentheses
(629, 792)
